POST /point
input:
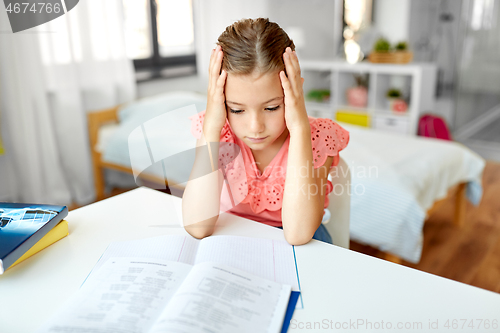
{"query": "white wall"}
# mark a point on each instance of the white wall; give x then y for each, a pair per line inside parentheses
(211, 19)
(317, 20)
(392, 19)
(316, 17)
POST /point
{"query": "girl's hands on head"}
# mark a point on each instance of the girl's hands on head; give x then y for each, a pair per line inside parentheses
(295, 108)
(215, 116)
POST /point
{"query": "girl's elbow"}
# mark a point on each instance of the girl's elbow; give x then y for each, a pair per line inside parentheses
(198, 233)
(201, 229)
(298, 238)
(300, 233)
(298, 241)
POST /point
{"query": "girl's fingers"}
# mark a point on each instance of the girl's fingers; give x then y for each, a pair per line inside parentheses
(295, 61)
(216, 66)
(211, 64)
(212, 57)
(221, 81)
(288, 66)
(293, 75)
(213, 68)
(285, 83)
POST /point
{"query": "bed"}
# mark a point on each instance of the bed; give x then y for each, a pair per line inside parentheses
(397, 181)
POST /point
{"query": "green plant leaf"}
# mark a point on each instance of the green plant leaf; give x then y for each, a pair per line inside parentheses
(401, 46)
(382, 45)
(393, 93)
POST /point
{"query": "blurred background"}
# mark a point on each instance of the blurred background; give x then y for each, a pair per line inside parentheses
(103, 53)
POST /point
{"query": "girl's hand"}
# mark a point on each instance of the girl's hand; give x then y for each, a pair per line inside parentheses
(295, 108)
(215, 116)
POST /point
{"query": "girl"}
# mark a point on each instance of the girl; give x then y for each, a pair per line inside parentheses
(274, 157)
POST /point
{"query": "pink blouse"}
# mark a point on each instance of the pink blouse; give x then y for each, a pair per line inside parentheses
(258, 196)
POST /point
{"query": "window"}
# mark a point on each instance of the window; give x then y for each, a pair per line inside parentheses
(160, 37)
(482, 15)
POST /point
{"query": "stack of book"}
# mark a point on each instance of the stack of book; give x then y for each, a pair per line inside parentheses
(26, 229)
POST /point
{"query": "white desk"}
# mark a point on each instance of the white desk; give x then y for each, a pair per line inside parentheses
(339, 287)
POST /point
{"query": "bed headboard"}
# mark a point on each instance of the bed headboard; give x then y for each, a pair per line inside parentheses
(96, 119)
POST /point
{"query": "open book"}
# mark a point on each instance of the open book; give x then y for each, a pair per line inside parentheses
(181, 284)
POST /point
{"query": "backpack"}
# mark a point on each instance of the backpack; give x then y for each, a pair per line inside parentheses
(432, 126)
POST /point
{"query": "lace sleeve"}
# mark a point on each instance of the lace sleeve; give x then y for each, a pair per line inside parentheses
(328, 139)
(197, 127)
(197, 124)
(227, 152)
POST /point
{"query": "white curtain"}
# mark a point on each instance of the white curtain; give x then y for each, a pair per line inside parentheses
(50, 77)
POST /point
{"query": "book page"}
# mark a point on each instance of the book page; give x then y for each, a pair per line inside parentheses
(219, 298)
(270, 259)
(169, 247)
(125, 295)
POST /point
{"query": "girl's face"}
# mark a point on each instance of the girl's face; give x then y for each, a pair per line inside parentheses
(255, 109)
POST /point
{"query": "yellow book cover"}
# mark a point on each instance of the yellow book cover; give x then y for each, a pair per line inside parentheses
(58, 232)
(355, 118)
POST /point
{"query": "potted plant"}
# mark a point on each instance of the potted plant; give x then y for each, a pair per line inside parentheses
(393, 93)
(383, 52)
(396, 102)
(358, 96)
(382, 45)
(401, 47)
(318, 95)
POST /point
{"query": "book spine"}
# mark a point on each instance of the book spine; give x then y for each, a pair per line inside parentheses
(32, 240)
(58, 232)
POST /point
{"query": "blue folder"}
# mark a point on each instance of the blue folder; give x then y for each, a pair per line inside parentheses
(292, 303)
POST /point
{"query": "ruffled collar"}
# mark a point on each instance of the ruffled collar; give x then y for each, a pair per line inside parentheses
(262, 191)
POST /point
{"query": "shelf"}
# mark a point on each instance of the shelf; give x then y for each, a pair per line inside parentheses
(352, 109)
(365, 66)
(391, 81)
(390, 114)
(319, 110)
(417, 81)
(390, 124)
(324, 105)
(371, 112)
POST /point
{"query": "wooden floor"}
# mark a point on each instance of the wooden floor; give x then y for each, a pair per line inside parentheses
(470, 254)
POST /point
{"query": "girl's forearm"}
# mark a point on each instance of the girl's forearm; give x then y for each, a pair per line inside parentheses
(302, 209)
(201, 198)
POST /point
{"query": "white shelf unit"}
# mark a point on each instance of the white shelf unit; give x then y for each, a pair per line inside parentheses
(416, 80)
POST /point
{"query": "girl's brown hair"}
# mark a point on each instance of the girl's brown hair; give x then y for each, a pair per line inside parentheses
(254, 45)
